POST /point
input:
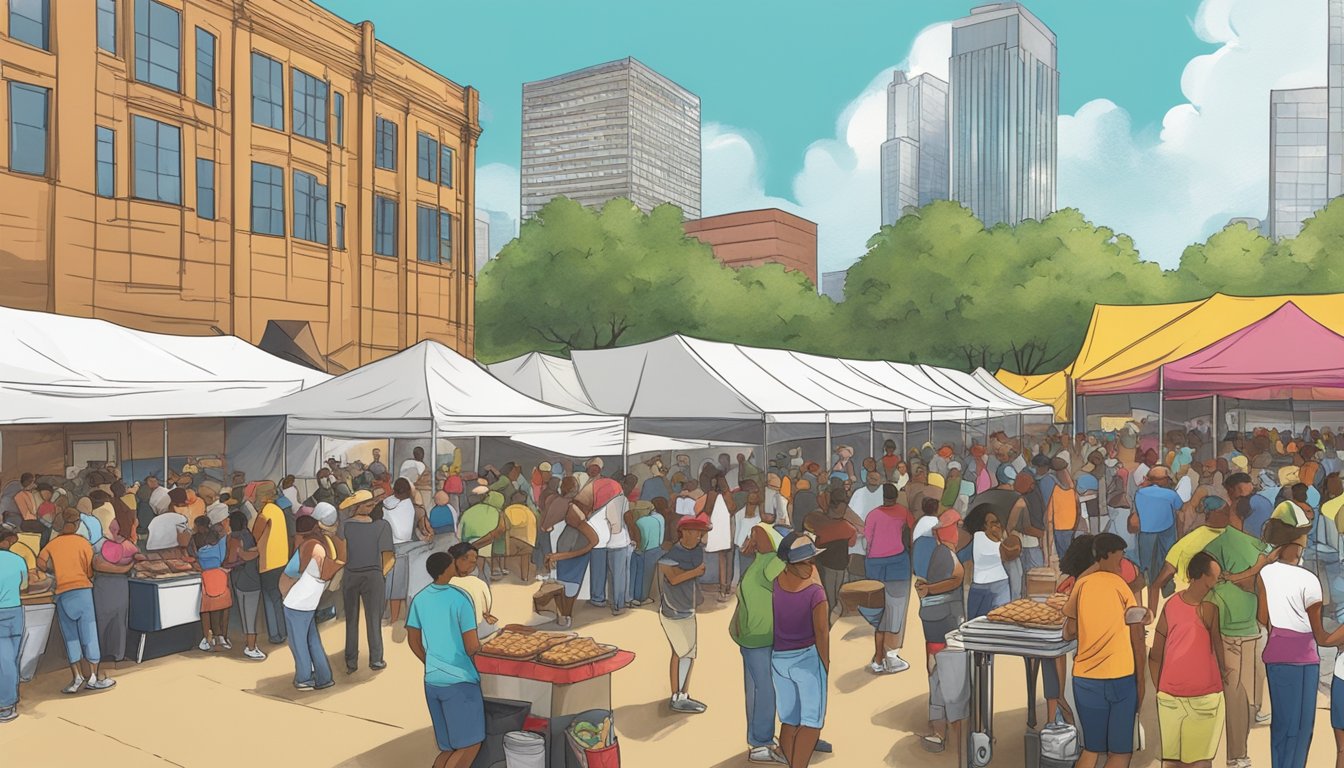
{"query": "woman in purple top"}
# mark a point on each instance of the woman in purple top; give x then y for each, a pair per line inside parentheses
(802, 658)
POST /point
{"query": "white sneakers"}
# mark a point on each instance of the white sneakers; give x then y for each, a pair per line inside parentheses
(767, 754)
(224, 641)
(894, 664)
(255, 654)
(94, 683)
(204, 645)
(877, 668)
(74, 686)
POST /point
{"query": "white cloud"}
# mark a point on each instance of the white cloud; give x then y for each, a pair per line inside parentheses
(1210, 161)
(838, 186)
(1166, 189)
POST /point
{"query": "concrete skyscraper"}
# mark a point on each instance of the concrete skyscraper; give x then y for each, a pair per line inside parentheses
(914, 156)
(618, 129)
(1004, 114)
(1335, 100)
(1298, 163)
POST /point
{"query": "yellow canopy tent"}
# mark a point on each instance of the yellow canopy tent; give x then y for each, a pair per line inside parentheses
(1051, 389)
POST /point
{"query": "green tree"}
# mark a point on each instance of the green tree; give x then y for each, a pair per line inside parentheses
(576, 278)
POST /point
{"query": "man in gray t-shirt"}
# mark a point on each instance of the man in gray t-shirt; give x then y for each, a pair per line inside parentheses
(369, 556)
(678, 571)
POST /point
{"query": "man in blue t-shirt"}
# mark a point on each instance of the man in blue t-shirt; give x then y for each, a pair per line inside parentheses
(13, 581)
(441, 630)
(1157, 505)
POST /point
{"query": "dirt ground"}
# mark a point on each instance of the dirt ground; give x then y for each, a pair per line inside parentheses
(195, 709)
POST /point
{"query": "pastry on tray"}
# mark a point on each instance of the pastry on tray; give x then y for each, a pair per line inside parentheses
(574, 651)
(520, 645)
(1027, 612)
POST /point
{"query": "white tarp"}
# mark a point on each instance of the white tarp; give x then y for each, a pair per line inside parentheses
(58, 370)
(428, 388)
(678, 377)
(553, 380)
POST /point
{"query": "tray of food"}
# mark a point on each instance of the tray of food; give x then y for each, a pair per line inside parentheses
(1030, 613)
(522, 646)
(573, 653)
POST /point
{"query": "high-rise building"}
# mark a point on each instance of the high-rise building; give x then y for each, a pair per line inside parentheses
(1335, 84)
(914, 156)
(833, 285)
(1298, 162)
(482, 239)
(204, 167)
(768, 236)
(1004, 95)
(618, 129)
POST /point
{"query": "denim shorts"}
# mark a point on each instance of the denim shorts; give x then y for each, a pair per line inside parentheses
(1106, 711)
(458, 713)
(800, 687)
(79, 628)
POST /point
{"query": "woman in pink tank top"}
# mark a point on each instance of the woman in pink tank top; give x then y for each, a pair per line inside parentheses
(1186, 664)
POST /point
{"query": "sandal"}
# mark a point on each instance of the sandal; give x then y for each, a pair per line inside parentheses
(933, 743)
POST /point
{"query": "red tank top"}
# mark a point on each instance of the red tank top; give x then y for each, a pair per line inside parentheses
(1188, 666)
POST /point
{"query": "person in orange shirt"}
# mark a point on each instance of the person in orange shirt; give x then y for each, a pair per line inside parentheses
(1106, 620)
(70, 556)
(1062, 507)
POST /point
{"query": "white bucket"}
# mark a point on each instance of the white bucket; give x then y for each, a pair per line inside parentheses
(524, 749)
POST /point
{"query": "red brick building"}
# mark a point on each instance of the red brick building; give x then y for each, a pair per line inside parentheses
(768, 236)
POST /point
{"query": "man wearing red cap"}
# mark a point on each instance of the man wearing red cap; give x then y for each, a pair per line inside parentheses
(679, 569)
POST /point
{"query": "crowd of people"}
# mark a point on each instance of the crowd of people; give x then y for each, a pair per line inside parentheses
(1238, 534)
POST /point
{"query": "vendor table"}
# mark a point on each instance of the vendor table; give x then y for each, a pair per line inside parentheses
(39, 613)
(159, 606)
(983, 640)
(557, 695)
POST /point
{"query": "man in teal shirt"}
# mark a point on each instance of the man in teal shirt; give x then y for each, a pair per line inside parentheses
(753, 629)
(441, 630)
(13, 581)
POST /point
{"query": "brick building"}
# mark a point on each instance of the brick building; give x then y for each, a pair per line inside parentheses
(249, 167)
(768, 236)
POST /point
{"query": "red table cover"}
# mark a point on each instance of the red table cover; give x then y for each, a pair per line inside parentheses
(531, 670)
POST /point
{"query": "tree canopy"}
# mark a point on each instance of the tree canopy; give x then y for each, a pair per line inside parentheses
(936, 287)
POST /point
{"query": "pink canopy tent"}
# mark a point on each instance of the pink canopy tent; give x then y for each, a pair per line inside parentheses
(1284, 355)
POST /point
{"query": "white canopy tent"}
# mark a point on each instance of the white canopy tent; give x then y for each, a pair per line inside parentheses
(431, 391)
(65, 370)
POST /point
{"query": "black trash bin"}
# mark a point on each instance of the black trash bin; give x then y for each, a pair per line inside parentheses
(501, 716)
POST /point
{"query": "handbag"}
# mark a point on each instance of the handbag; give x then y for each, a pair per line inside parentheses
(1133, 522)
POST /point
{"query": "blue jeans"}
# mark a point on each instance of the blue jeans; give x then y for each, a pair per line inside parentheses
(310, 658)
(1292, 699)
(618, 563)
(1062, 541)
(1153, 548)
(1031, 558)
(1106, 710)
(79, 628)
(760, 689)
(643, 567)
(11, 637)
(274, 603)
(597, 576)
(983, 598)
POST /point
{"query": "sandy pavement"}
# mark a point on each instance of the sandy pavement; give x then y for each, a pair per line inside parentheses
(196, 709)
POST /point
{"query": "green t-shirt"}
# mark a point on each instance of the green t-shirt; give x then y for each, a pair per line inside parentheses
(478, 521)
(753, 625)
(1235, 551)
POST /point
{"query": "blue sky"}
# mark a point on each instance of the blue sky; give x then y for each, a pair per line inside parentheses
(784, 81)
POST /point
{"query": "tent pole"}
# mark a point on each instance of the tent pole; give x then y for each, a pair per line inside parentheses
(1216, 431)
(625, 445)
(765, 444)
(905, 437)
(477, 457)
(1021, 429)
(986, 428)
(1081, 426)
(165, 451)
(931, 427)
(1161, 412)
(284, 449)
(433, 453)
(829, 452)
(872, 437)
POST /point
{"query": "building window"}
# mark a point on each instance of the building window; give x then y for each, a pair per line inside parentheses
(28, 122)
(340, 226)
(158, 45)
(310, 208)
(205, 188)
(105, 161)
(205, 67)
(310, 106)
(30, 22)
(268, 200)
(107, 25)
(384, 226)
(268, 92)
(385, 153)
(433, 235)
(158, 160)
(338, 118)
(427, 157)
(446, 166)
